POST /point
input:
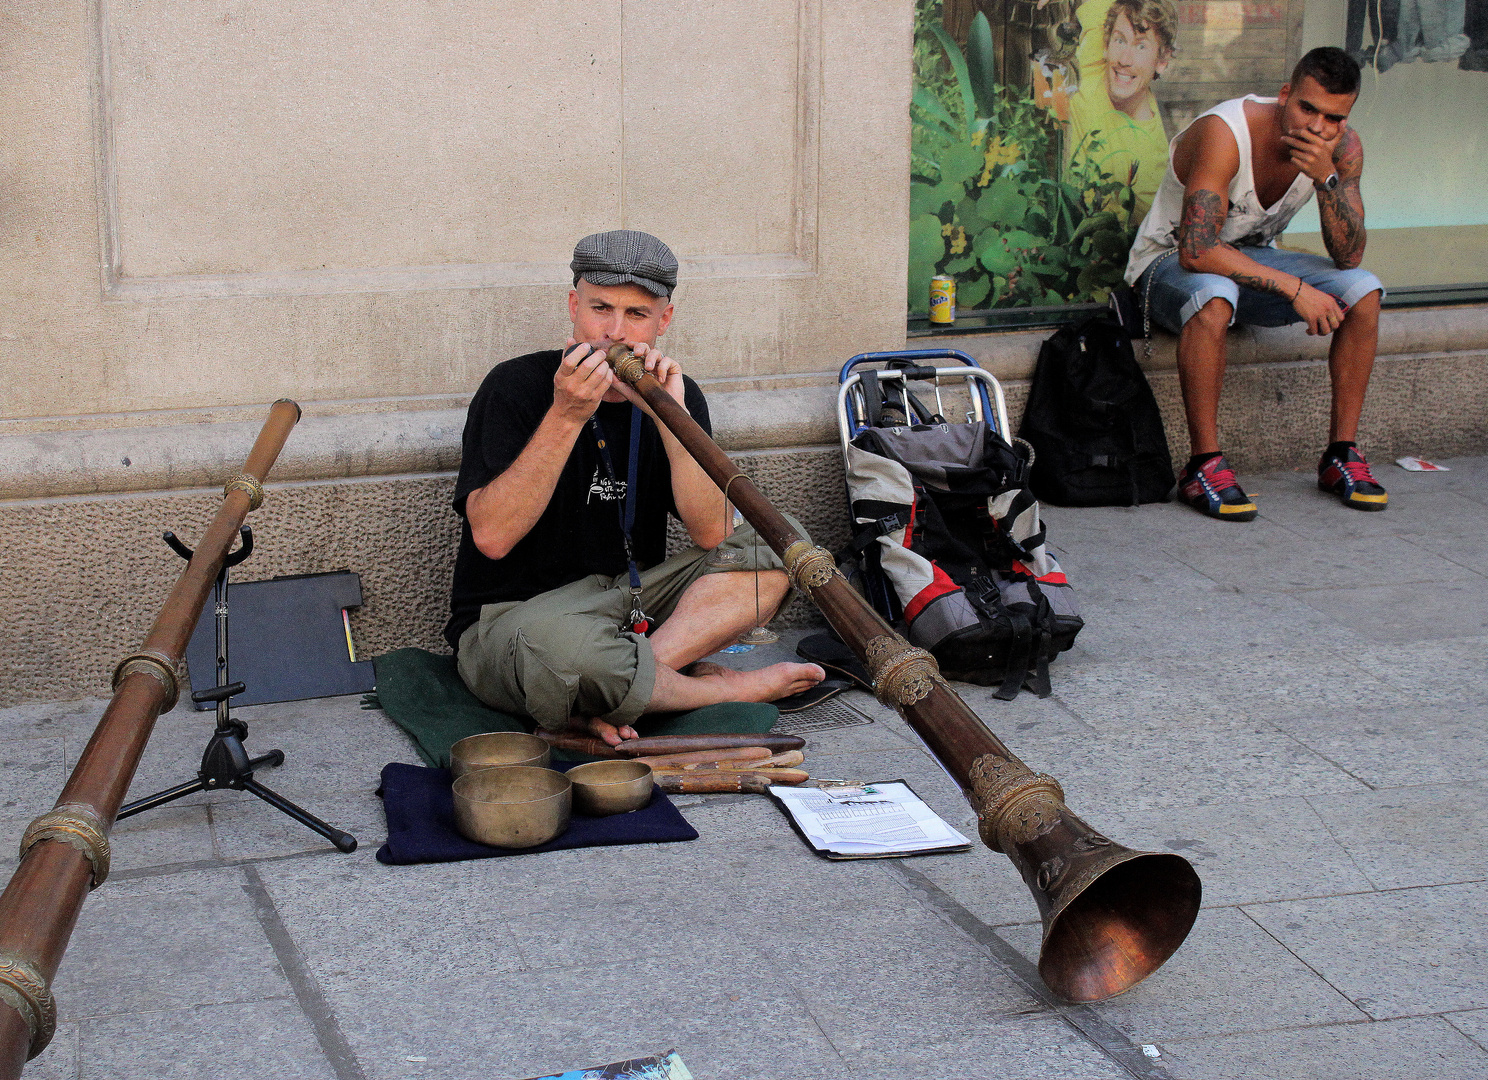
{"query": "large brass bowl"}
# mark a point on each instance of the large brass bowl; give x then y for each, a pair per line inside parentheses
(602, 788)
(498, 748)
(512, 806)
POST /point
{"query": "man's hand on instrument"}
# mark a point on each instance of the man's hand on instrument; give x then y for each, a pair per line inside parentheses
(666, 370)
(1318, 309)
(1313, 154)
(580, 382)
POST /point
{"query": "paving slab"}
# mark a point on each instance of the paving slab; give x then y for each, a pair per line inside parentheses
(1193, 626)
(247, 1041)
(1035, 1048)
(1424, 744)
(314, 736)
(59, 1061)
(246, 827)
(1285, 561)
(51, 718)
(734, 1018)
(1401, 953)
(1390, 1050)
(983, 881)
(1230, 976)
(1394, 835)
(357, 922)
(1449, 670)
(1258, 682)
(1172, 763)
(1473, 1024)
(162, 836)
(1463, 544)
(1247, 851)
(168, 942)
(1313, 515)
(1406, 613)
(32, 772)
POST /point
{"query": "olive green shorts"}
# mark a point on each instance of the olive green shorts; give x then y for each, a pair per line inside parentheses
(563, 653)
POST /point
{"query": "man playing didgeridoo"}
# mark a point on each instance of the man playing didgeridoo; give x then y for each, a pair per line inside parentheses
(1205, 258)
(565, 484)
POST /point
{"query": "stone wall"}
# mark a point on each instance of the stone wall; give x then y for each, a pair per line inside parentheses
(220, 203)
(86, 575)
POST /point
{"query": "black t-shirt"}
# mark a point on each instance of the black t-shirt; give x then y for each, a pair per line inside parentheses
(579, 532)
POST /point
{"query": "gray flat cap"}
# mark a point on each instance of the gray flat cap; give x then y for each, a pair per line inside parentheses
(624, 257)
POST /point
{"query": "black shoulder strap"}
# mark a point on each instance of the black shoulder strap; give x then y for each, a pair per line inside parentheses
(872, 396)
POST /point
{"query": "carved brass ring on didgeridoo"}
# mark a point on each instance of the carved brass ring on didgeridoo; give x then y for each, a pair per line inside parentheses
(1112, 916)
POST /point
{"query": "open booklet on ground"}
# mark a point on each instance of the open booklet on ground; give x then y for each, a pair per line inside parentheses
(872, 821)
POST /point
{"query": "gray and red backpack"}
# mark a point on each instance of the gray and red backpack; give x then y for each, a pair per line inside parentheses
(948, 540)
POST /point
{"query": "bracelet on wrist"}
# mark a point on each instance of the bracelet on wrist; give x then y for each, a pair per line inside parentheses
(1298, 292)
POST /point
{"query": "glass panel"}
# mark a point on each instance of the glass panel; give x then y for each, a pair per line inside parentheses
(1040, 132)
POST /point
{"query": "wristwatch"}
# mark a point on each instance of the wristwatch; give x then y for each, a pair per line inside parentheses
(1328, 184)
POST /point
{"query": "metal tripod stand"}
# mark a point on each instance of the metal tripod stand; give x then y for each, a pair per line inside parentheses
(225, 762)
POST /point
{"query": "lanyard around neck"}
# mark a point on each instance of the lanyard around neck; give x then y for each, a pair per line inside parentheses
(638, 620)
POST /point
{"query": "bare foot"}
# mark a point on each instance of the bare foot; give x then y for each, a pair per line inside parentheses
(764, 684)
(607, 731)
(705, 667)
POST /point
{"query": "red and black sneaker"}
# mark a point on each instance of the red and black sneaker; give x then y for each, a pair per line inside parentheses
(1346, 474)
(1212, 489)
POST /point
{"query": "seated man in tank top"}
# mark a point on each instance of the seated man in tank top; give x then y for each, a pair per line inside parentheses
(1205, 257)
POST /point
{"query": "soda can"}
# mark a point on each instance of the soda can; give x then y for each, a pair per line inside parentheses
(943, 299)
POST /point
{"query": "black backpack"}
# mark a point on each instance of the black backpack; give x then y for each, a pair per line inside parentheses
(1093, 422)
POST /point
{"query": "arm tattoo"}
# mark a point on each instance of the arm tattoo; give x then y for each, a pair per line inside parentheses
(1341, 211)
(1203, 217)
(1260, 284)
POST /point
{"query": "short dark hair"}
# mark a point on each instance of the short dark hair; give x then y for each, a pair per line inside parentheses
(1333, 69)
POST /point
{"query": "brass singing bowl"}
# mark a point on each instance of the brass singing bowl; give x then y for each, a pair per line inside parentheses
(498, 748)
(512, 806)
(602, 788)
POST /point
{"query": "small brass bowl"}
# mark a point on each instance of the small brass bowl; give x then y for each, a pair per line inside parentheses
(602, 788)
(512, 806)
(498, 748)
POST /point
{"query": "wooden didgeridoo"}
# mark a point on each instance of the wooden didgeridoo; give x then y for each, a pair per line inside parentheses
(1111, 915)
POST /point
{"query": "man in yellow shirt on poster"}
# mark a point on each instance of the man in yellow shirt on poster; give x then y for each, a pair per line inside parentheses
(1124, 46)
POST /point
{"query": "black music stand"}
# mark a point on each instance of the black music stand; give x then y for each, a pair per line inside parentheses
(225, 762)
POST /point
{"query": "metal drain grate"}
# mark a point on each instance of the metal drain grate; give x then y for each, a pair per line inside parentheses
(832, 713)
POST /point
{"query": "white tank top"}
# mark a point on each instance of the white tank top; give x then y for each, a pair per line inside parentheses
(1247, 224)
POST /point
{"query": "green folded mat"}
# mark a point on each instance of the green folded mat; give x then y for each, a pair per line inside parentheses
(423, 694)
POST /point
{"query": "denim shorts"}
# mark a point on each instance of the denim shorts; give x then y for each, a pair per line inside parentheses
(1176, 295)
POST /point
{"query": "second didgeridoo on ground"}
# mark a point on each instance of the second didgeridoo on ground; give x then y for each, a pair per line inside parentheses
(1111, 915)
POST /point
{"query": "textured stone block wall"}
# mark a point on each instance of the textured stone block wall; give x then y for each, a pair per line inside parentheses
(85, 576)
(1275, 416)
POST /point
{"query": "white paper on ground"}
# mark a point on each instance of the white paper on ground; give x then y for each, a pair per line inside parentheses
(1415, 464)
(895, 821)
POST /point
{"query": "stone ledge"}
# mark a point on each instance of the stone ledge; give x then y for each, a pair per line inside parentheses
(1403, 332)
(43, 458)
(179, 456)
